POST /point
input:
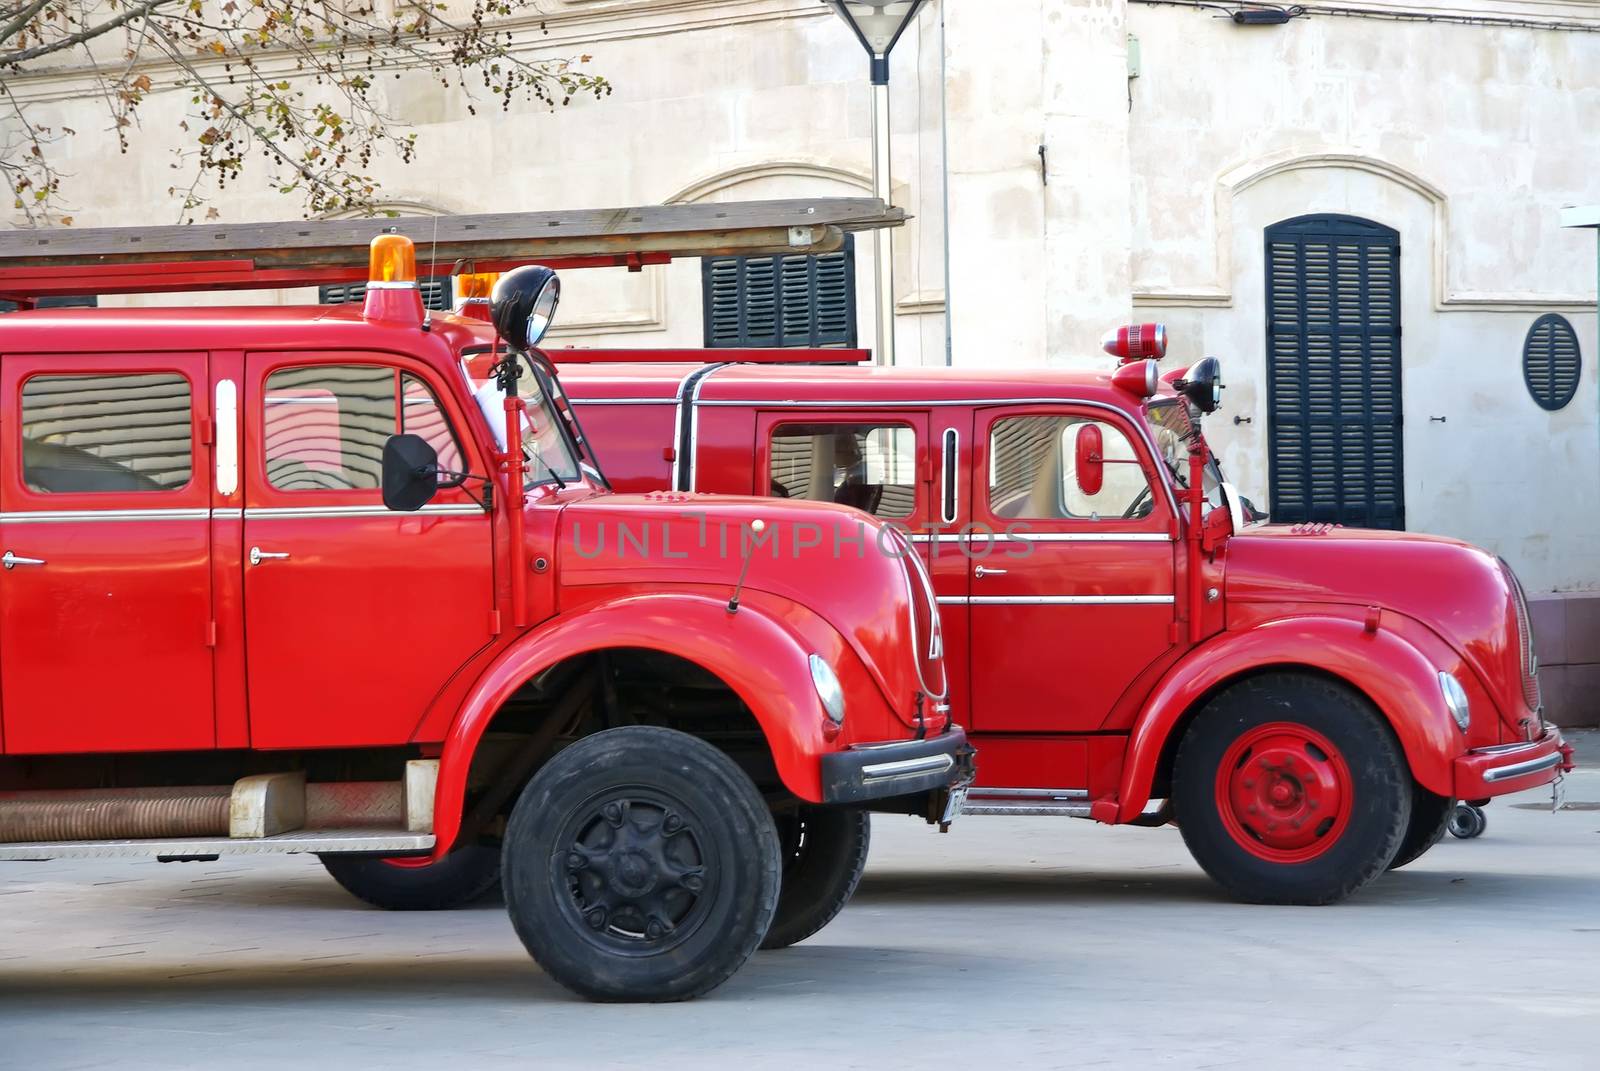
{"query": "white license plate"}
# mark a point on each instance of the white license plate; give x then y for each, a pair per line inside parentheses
(953, 804)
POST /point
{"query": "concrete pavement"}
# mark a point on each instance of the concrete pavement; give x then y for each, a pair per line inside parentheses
(1020, 942)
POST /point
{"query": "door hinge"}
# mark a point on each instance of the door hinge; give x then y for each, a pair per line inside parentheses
(1174, 631)
(494, 622)
(208, 431)
(211, 633)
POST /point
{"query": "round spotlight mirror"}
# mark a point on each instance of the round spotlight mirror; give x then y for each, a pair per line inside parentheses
(1202, 385)
(523, 304)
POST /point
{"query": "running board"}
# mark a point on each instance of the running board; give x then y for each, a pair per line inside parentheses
(318, 841)
(1057, 802)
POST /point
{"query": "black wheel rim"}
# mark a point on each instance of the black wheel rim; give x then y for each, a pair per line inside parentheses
(634, 871)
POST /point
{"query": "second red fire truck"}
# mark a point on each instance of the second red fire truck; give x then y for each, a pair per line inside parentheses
(1307, 703)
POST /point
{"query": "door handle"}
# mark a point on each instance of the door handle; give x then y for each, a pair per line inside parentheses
(257, 556)
(983, 570)
(11, 561)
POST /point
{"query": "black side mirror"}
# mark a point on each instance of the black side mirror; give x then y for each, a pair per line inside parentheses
(410, 472)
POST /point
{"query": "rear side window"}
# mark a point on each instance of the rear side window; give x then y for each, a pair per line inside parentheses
(88, 432)
(869, 466)
(324, 426)
(1033, 472)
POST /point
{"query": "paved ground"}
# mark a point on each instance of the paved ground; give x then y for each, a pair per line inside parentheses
(1020, 942)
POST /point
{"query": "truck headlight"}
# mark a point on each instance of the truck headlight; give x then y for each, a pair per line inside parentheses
(1455, 700)
(828, 689)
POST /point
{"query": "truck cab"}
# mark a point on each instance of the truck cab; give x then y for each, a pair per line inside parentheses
(1131, 641)
(291, 579)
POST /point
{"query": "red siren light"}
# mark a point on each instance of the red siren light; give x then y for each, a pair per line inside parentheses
(1139, 378)
(1135, 342)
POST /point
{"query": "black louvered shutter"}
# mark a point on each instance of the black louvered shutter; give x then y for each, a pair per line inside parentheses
(89, 301)
(1552, 363)
(436, 293)
(1333, 372)
(781, 301)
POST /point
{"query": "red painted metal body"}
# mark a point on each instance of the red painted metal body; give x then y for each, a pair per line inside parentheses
(1083, 646)
(240, 614)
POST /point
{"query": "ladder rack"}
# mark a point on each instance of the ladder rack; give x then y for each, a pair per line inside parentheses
(222, 256)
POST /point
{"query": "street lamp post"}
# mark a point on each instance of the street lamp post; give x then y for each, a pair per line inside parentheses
(878, 25)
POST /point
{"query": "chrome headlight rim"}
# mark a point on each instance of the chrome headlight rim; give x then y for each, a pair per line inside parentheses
(829, 690)
(1455, 700)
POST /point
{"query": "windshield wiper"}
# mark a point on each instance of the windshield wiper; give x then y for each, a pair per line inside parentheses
(561, 485)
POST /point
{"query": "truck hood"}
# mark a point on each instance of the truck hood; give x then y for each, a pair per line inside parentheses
(1464, 594)
(845, 566)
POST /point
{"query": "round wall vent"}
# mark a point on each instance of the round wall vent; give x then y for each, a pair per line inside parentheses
(1551, 361)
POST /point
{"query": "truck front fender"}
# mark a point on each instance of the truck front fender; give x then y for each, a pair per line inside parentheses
(1387, 669)
(762, 660)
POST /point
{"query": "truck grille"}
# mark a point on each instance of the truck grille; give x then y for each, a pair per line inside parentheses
(1529, 665)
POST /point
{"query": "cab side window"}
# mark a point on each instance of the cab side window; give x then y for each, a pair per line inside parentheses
(1033, 472)
(324, 426)
(871, 467)
(107, 432)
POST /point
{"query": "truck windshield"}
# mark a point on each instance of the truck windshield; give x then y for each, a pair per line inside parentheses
(1172, 426)
(551, 457)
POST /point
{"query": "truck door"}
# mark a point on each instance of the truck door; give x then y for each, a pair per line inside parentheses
(105, 596)
(355, 616)
(1081, 598)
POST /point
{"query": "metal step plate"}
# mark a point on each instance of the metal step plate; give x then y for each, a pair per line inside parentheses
(1061, 802)
(319, 841)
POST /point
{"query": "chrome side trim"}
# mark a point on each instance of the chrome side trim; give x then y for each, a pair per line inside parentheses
(73, 516)
(906, 767)
(1047, 537)
(266, 513)
(227, 514)
(1057, 600)
(1520, 769)
(906, 403)
(323, 841)
(227, 427)
(623, 401)
(1050, 793)
(950, 477)
(694, 420)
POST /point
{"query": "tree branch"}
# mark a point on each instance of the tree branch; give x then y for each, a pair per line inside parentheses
(12, 59)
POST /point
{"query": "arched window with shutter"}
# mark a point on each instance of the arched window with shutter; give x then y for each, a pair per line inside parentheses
(1333, 372)
(1551, 361)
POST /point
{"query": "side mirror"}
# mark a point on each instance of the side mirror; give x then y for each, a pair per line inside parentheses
(410, 472)
(1090, 459)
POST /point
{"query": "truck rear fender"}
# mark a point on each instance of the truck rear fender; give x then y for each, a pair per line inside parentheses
(754, 654)
(1388, 670)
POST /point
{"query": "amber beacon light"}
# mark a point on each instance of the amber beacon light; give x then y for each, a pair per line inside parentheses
(392, 292)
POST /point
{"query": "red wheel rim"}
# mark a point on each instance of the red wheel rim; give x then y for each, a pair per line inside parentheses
(1284, 792)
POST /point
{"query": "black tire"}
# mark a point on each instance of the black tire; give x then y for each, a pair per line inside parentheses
(1343, 742)
(1430, 818)
(824, 854)
(463, 877)
(1467, 821)
(641, 864)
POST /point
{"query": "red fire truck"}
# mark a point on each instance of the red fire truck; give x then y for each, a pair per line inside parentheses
(275, 582)
(1307, 703)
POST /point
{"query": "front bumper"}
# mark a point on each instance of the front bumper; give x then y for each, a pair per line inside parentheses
(1497, 771)
(900, 768)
